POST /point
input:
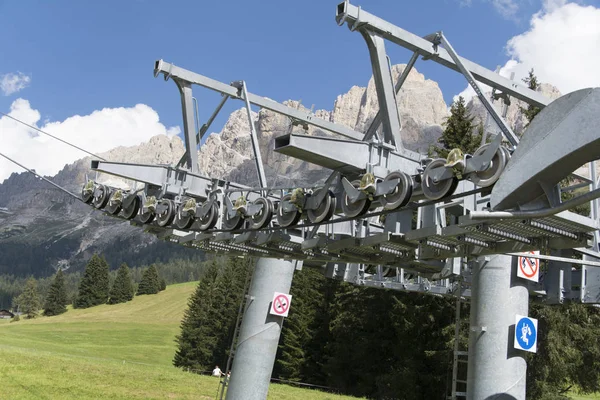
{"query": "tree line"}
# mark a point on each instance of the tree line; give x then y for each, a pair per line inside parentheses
(173, 271)
(94, 289)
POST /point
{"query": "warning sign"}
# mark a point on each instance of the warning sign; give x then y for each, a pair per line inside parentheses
(528, 267)
(281, 304)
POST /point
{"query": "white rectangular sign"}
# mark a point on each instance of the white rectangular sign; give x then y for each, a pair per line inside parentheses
(280, 305)
(529, 268)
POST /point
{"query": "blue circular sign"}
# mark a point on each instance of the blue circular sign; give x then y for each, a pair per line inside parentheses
(526, 333)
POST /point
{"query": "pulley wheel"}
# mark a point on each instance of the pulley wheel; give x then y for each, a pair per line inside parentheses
(101, 196)
(402, 192)
(263, 217)
(114, 205)
(184, 219)
(133, 209)
(325, 210)
(232, 224)
(210, 219)
(147, 216)
(167, 215)
(113, 208)
(287, 219)
(490, 175)
(357, 208)
(437, 190)
(87, 195)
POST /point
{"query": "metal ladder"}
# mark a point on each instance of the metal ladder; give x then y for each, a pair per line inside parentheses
(460, 358)
(236, 333)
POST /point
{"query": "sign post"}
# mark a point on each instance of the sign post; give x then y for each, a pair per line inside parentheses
(529, 268)
(526, 333)
(280, 305)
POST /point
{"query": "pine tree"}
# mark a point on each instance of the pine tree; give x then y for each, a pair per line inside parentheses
(94, 286)
(458, 131)
(150, 283)
(298, 359)
(568, 351)
(29, 301)
(228, 295)
(197, 339)
(209, 322)
(122, 290)
(531, 111)
(56, 300)
(163, 284)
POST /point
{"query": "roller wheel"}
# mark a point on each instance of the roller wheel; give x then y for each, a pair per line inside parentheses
(325, 210)
(114, 204)
(232, 224)
(489, 176)
(133, 209)
(210, 219)
(101, 196)
(437, 190)
(87, 193)
(184, 219)
(402, 192)
(263, 217)
(147, 216)
(113, 208)
(357, 208)
(287, 219)
(167, 215)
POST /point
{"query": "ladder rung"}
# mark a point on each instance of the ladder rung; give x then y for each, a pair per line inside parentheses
(459, 381)
(461, 394)
(461, 353)
(463, 361)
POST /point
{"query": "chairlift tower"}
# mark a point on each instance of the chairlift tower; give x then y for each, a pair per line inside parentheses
(475, 212)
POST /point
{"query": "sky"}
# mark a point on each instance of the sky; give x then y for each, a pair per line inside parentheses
(83, 71)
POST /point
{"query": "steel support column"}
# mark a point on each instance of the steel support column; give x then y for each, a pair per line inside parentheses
(259, 333)
(496, 370)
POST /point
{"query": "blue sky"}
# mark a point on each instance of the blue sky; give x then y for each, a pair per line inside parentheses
(82, 56)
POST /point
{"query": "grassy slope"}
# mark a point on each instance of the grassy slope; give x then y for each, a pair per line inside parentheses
(121, 351)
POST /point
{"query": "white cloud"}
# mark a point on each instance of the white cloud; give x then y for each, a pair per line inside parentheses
(506, 8)
(97, 132)
(560, 45)
(12, 83)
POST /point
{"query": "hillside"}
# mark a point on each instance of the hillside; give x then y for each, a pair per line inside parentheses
(121, 351)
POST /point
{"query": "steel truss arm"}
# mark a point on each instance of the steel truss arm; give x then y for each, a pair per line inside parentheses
(172, 71)
(508, 133)
(205, 127)
(187, 107)
(175, 181)
(376, 123)
(386, 95)
(360, 19)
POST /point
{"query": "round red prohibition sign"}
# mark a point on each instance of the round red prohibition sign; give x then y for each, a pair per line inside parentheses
(281, 304)
(529, 266)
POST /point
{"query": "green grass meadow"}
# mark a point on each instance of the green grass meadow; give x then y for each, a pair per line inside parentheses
(121, 351)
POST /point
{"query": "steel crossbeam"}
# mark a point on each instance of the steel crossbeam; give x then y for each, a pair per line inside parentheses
(172, 71)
